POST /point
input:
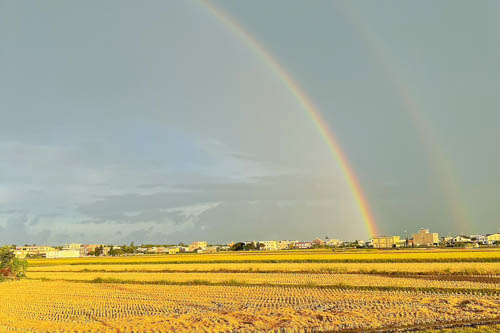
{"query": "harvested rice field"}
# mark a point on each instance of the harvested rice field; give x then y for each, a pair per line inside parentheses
(432, 268)
(300, 292)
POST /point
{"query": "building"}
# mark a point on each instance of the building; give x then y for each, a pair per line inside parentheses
(157, 250)
(142, 250)
(75, 246)
(33, 251)
(46, 252)
(89, 249)
(448, 241)
(386, 242)
(425, 238)
(63, 254)
(480, 239)
(72, 246)
(197, 245)
(333, 242)
(318, 242)
(359, 243)
(303, 245)
(271, 245)
(212, 249)
(283, 244)
(461, 239)
(174, 250)
(493, 238)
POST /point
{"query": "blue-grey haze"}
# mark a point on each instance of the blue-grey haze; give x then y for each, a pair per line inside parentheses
(154, 122)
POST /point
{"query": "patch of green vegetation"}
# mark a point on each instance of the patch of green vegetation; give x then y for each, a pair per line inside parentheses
(10, 266)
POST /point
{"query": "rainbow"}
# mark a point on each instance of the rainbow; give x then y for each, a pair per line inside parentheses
(308, 106)
(440, 164)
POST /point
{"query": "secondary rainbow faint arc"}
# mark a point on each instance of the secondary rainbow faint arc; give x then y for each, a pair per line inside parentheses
(308, 106)
(439, 163)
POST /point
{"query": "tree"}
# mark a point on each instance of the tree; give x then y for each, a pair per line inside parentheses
(130, 248)
(237, 246)
(6, 256)
(10, 266)
(99, 250)
(115, 252)
(249, 246)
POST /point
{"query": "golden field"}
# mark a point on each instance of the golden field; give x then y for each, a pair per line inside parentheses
(354, 280)
(289, 291)
(444, 268)
(291, 256)
(75, 307)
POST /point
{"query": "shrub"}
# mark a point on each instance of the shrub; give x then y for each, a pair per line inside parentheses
(10, 266)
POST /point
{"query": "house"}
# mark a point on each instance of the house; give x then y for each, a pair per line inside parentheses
(425, 238)
(386, 242)
(448, 241)
(493, 238)
(480, 239)
(461, 239)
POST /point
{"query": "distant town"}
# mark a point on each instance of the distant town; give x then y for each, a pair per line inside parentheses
(423, 238)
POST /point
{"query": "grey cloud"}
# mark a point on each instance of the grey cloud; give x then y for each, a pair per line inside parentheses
(17, 231)
(150, 185)
(278, 188)
(155, 216)
(241, 220)
(35, 220)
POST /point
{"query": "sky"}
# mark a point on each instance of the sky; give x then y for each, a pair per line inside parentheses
(157, 122)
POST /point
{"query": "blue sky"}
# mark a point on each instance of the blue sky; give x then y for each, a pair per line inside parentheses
(155, 123)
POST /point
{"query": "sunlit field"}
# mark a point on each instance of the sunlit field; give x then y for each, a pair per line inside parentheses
(298, 279)
(291, 291)
(441, 268)
(434, 255)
